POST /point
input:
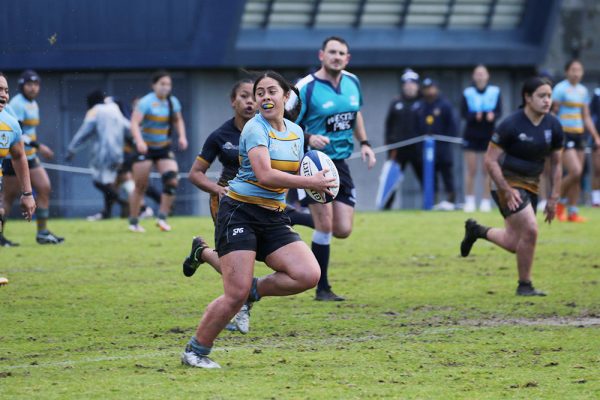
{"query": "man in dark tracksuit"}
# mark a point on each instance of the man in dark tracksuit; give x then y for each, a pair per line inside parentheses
(435, 117)
(401, 124)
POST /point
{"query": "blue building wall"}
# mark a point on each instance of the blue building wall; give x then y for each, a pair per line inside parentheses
(139, 34)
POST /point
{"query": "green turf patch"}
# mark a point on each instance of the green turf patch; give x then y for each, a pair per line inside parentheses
(106, 315)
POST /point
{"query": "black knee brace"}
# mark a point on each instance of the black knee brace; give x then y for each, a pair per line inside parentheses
(169, 181)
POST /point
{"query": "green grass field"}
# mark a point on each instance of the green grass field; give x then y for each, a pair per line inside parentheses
(107, 314)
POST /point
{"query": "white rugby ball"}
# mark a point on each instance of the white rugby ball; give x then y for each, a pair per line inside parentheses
(313, 162)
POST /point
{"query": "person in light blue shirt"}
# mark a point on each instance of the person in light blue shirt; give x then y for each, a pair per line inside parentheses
(570, 104)
(331, 117)
(11, 144)
(251, 224)
(25, 109)
(481, 108)
(152, 123)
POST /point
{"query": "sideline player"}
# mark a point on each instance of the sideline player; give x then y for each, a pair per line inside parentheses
(251, 224)
(571, 106)
(11, 143)
(331, 100)
(152, 123)
(25, 109)
(481, 108)
(515, 160)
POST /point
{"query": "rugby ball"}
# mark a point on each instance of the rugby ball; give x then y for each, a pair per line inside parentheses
(313, 162)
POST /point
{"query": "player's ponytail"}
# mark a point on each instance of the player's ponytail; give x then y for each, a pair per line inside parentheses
(293, 112)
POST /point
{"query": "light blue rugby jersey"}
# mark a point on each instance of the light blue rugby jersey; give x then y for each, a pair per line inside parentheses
(572, 99)
(10, 133)
(28, 113)
(331, 111)
(155, 125)
(285, 150)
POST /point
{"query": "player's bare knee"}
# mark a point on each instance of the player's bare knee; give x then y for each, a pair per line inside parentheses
(342, 232)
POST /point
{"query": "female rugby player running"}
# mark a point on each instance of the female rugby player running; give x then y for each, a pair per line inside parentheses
(152, 122)
(515, 160)
(571, 106)
(250, 222)
(223, 144)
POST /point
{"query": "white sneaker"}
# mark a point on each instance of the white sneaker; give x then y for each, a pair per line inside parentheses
(95, 217)
(147, 213)
(469, 207)
(194, 360)
(242, 319)
(3, 281)
(162, 225)
(541, 206)
(485, 206)
(444, 206)
(136, 228)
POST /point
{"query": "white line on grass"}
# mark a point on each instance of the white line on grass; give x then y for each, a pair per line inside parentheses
(465, 325)
(310, 342)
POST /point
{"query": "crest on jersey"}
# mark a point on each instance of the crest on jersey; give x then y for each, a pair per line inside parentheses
(4, 140)
(548, 135)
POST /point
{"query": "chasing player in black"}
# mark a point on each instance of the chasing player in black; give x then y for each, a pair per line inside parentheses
(515, 160)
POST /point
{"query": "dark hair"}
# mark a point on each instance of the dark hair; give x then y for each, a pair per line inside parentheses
(286, 86)
(337, 39)
(158, 75)
(95, 97)
(1, 74)
(571, 62)
(237, 85)
(531, 85)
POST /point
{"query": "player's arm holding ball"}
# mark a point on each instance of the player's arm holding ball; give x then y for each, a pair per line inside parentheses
(261, 165)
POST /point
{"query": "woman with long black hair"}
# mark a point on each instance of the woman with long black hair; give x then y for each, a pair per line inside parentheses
(515, 160)
(251, 224)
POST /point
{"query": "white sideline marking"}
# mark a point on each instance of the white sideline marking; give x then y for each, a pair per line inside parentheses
(230, 349)
(464, 325)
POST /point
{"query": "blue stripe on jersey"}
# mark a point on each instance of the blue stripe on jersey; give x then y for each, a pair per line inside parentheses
(28, 113)
(155, 125)
(10, 133)
(285, 151)
(572, 99)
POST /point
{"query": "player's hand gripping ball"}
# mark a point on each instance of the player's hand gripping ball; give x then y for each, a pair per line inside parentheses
(313, 162)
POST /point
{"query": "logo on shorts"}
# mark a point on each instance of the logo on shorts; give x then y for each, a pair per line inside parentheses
(237, 231)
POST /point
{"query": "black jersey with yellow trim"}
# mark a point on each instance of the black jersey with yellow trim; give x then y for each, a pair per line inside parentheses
(526, 147)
